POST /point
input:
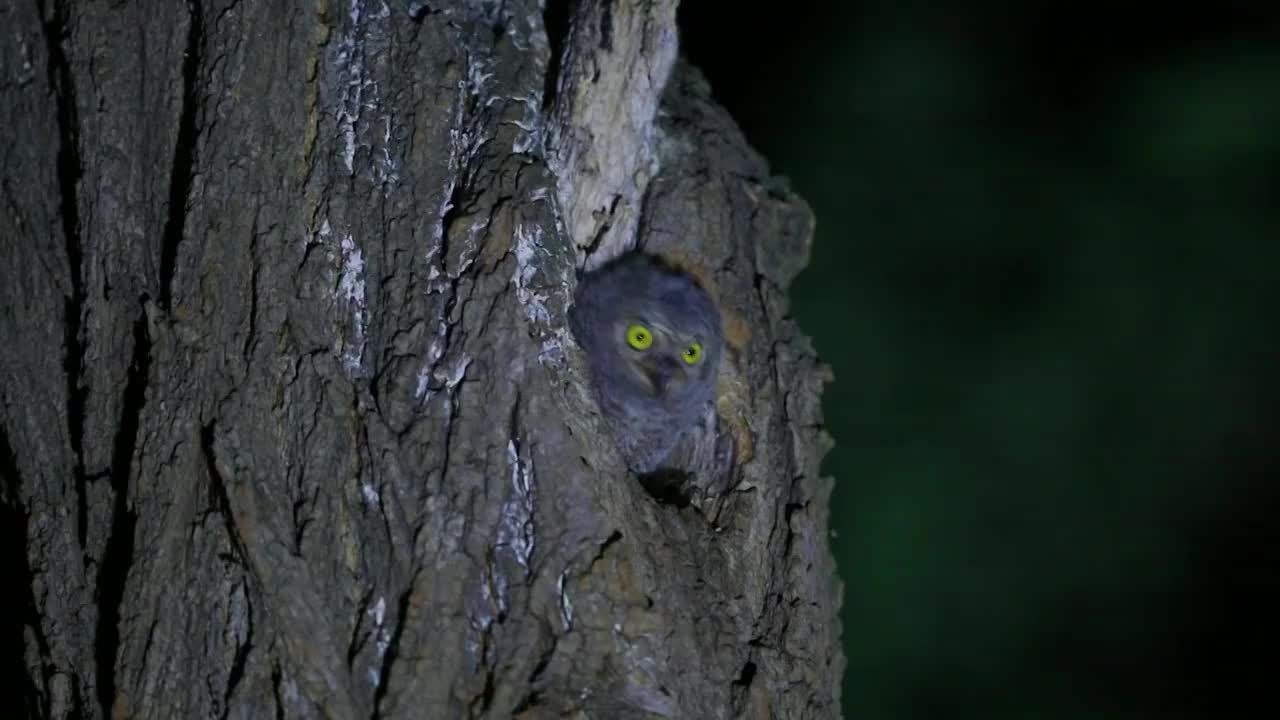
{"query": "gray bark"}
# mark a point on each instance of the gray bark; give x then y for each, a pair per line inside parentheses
(292, 424)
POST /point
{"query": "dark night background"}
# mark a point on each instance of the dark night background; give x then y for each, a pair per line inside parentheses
(1046, 257)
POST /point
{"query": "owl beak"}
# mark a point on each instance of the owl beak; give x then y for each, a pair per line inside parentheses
(660, 372)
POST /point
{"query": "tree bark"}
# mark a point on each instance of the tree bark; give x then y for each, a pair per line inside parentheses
(292, 422)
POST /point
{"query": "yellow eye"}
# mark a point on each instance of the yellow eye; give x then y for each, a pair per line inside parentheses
(692, 353)
(639, 337)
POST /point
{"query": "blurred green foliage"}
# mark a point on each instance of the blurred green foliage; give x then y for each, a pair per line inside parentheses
(1044, 275)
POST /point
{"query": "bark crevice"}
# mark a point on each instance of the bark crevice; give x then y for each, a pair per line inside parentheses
(557, 18)
(184, 152)
(240, 661)
(70, 169)
(277, 680)
(117, 556)
(392, 651)
(606, 25)
(20, 611)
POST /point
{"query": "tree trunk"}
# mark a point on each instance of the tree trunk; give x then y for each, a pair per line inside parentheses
(292, 421)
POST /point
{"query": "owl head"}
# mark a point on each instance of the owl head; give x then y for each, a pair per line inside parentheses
(653, 336)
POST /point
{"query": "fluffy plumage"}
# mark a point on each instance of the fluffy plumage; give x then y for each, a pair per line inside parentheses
(651, 396)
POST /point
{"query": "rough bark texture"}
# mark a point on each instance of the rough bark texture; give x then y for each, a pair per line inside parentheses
(292, 422)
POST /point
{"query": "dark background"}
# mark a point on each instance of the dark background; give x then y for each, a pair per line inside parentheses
(1046, 258)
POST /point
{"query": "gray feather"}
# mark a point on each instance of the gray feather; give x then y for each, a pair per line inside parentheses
(648, 423)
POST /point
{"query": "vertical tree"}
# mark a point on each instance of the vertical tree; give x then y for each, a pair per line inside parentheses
(291, 419)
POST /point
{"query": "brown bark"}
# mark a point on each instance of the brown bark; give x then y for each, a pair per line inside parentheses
(292, 421)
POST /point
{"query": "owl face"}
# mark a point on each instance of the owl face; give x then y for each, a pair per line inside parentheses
(653, 337)
(661, 358)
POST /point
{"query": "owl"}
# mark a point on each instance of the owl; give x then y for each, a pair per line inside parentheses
(653, 340)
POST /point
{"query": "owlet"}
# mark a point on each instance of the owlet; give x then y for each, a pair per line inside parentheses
(653, 339)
